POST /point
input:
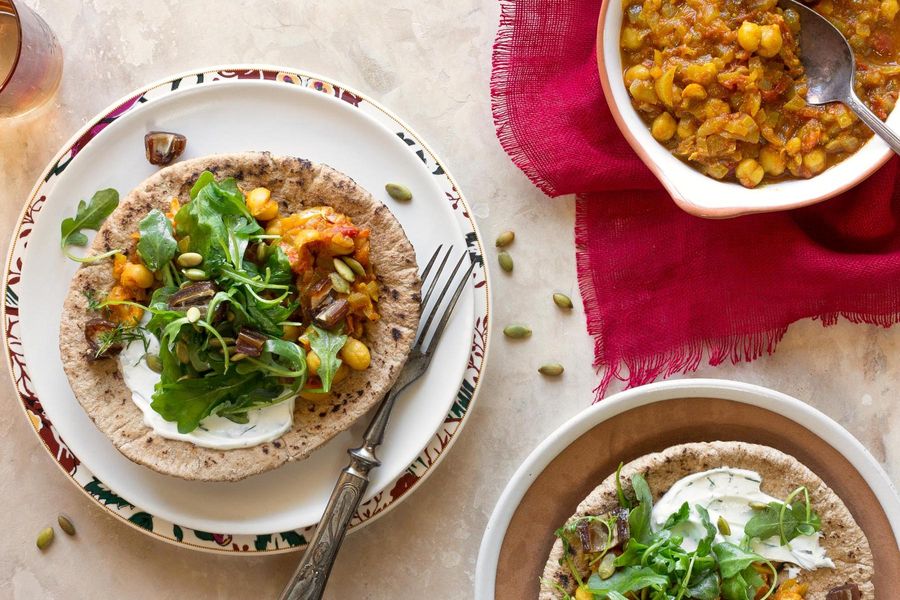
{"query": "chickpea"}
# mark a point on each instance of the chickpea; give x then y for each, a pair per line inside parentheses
(355, 354)
(889, 10)
(693, 91)
(793, 145)
(643, 91)
(749, 36)
(291, 333)
(631, 38)
(136, 275)
(815, 161)
(749, 173)
(686, 127)
(772, 161)
(663, 127)
(313, 362)
(260, 205)
(770, 41)
(636, 73)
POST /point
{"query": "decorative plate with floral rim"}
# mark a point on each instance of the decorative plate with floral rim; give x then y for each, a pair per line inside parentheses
(232, 109)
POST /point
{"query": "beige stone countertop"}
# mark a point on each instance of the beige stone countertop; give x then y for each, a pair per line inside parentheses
(430, 63)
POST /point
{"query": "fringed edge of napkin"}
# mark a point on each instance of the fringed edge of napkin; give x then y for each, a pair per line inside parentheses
(500, 67)
(640, 370)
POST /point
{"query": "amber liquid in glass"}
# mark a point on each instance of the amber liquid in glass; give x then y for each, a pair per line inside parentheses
(30, 60)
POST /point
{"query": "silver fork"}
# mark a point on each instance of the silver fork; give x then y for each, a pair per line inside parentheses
(311, 576)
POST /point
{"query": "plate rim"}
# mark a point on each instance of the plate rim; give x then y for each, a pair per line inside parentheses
(746, 393)
(485, 332)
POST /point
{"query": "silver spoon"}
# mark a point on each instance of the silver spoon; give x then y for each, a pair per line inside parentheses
(830, 69)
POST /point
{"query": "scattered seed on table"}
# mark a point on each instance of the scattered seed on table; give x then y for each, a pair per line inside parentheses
(44, 538)
(66, 524)
(516, 331)
(551, 369)
(506, 261)
(505, 239)
(562, 301)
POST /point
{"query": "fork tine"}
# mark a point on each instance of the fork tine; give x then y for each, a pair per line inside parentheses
(436, 277)
(427, 268)
(439, 329)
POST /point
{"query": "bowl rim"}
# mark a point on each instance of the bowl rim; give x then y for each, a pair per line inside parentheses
(832, 432)
(724, 212)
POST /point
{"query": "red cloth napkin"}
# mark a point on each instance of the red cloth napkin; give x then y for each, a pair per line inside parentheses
(662, 289)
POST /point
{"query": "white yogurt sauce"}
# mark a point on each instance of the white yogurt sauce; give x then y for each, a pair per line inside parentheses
(264, 424)
(727, 492)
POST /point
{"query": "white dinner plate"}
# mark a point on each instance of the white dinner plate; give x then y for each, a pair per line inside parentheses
(234, 109)
(649, 419)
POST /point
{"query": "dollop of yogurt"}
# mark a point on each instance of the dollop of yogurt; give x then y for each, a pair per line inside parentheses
(263, 424)
(726, 492)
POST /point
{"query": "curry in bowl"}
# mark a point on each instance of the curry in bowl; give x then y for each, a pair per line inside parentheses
(720, 83)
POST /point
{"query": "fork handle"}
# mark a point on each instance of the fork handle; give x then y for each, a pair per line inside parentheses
(875, 124)
(311, 576)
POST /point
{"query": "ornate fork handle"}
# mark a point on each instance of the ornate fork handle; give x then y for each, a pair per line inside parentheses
(308, 581)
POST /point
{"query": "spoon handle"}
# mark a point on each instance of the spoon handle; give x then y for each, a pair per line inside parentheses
(875, 124)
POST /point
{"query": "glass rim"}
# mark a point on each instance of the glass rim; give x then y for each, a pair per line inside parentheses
(12, 69)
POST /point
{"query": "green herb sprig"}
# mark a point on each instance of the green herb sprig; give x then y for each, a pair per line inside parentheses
(89, 215)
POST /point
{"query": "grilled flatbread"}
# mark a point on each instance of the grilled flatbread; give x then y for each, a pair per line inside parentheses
(296, 184)
(843, 540)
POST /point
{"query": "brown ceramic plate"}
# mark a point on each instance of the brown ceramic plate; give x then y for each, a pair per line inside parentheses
(562, 471)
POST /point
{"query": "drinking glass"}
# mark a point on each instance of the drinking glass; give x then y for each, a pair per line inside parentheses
(30, 59)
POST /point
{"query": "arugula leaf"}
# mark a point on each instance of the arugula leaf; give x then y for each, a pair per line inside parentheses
(326, 345)
(706, 588)
(205, 179)
(735, 588)
(623, 501)
(678, 517)
(157, 245)
(629, 579)
(705, 545)
(189, 401)
(279, 266)
(767, 523)
(293, 360)
(639, 517)
(734, 559)
(88, 216)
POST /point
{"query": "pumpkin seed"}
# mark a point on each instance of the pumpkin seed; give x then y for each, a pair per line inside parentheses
(562, 301)
(506, 261)
(193, 314)
(66, 524)
(607, 565)
(261, 251)
(339, 284)
(355, 265)
(184, 244)
(758, 505)
(516, 331)
(398, 192)
(343, 270)
(45, 537)
(551, 369)
(505, 239)
(724, 527)
(189, 259)
(196, 274)
(237, 356)
(154, 363)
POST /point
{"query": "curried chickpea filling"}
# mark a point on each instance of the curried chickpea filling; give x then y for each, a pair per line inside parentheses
(721, 86)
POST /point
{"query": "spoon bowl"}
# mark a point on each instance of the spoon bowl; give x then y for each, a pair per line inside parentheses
(831, 68)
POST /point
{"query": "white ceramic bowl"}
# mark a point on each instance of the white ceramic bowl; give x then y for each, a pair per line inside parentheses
(695, 192)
